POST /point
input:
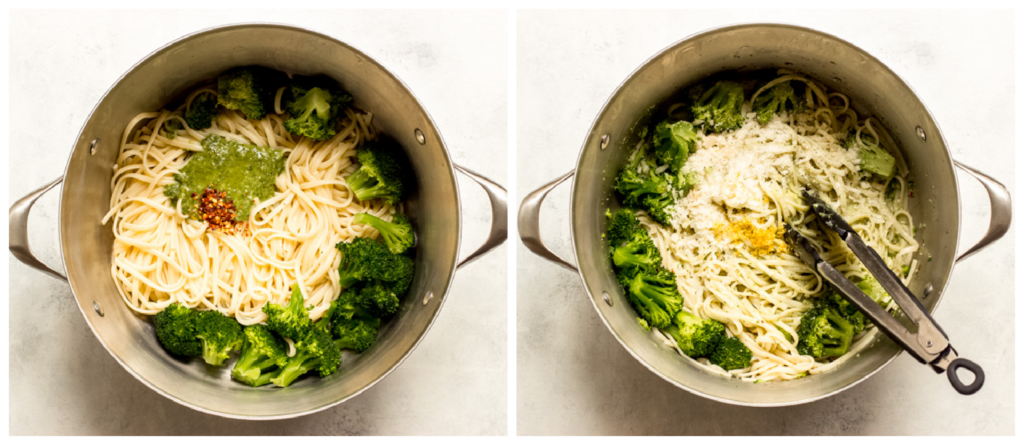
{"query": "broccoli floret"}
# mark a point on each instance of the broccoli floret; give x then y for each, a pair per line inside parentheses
(315, 105)
(777, 99)
(731, 354)
(824, 332)
(347, 306)
(353, 326)
(650, 192)
(685, 182)
(892, 189)
(219, 334)
(847, 310)
(622, 226)
(176, 330)
(356, 334)
(873, 158)
(171, 128)
(635, 252)
(316, 351)
(872, 288)
(632, 185)
(292, 320)
(397, 234)
(720, 108)
(262, 352)
(673, 143)
(201, 112)
(381, 173)
(250, 90)
(696, 336)
(364, 259)
(379, 298)
(657, 207)
(655, 297)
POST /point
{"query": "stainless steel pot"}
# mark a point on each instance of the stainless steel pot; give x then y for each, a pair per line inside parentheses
(168, 72)
(875, 90)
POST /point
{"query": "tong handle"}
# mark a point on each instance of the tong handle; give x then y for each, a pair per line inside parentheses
(954, 379)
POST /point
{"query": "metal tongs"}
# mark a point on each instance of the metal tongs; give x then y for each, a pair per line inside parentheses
(929, 344)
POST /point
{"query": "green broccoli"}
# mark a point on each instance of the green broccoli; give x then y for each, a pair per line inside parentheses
(650, 192)
(292, 320)
(262, 353)
(621, 226)
(364, 260)
(397, 234)
(356, 334)
(171, 128)
(872, 288)
(824, 332)
(250, 90)
(777, 99)
(200, 113)
(315, 105)
(348, 305)
(720, 108)
(655, 297)
(731, 354)
(673, 143)
(315, 351)
(657, 207)
(381, 174)
(219, 334)
(696, 337)
(176, 330)
(873, 158)
(633, 250)
(847, 310)
(893, 189)
(684, 182)
(380, 298)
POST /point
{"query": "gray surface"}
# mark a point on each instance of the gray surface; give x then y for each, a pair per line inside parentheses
(574, 378)
(454, 383)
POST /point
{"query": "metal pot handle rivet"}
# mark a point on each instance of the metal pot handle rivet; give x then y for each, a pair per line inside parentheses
(19, 230)
(999, 200)
(529, 223)
(499, 215)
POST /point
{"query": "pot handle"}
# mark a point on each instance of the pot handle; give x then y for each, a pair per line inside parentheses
(499, 215)
(529, 223)
(999, 200)
(19, 230)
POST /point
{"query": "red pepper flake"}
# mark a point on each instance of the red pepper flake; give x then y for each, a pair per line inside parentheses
(911, 194)
(218, 211)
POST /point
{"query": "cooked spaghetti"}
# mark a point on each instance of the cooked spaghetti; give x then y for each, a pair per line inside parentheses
(162, 256)
(723, 239)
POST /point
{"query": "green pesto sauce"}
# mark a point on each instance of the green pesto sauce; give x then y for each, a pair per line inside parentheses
(242, 171)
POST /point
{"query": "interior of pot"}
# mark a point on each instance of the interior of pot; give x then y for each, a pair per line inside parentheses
(874, 90)
(165, 75)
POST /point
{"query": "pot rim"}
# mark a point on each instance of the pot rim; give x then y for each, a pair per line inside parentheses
(402, 84)
(591, 133)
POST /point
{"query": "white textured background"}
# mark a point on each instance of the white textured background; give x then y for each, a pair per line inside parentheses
(62, 381)
(574, 378)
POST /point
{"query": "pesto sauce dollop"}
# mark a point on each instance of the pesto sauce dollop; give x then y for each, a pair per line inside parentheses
(243, 171)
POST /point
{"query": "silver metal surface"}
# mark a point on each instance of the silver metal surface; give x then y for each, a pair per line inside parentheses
(529, 223)
(166, 74)
(875, 90)
(18, 226)
(499, 215)
(1002, 209)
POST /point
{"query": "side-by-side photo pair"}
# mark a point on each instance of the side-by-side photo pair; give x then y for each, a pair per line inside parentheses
(723, 222)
